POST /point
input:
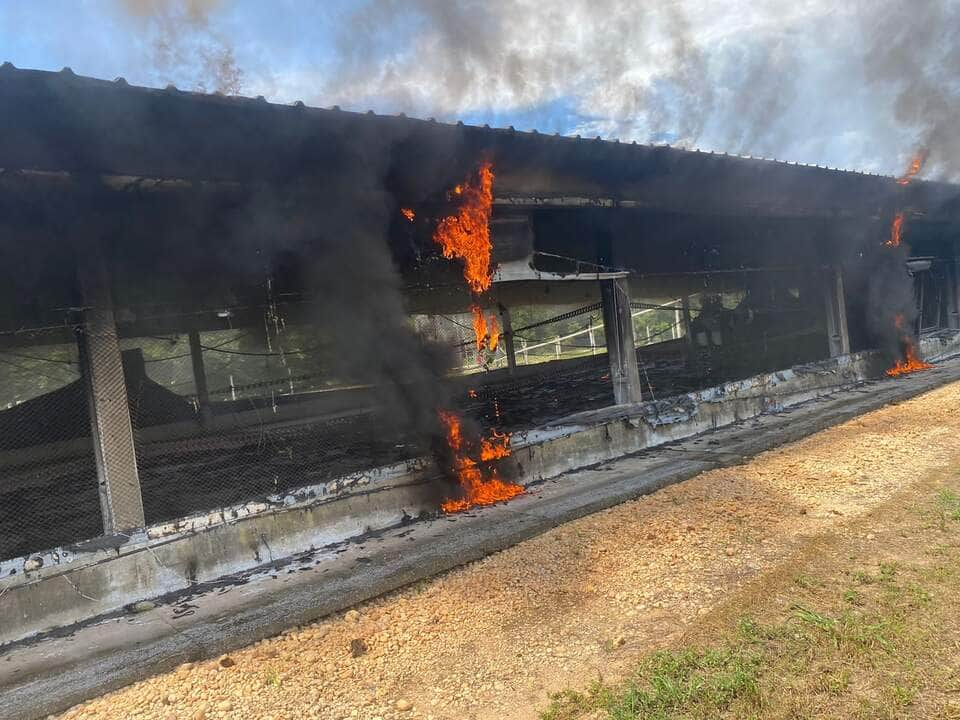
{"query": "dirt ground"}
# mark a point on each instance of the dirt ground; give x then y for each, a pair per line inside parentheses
(581, 602)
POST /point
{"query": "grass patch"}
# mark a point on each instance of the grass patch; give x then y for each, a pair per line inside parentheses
(850, 631)
(691, 683)
(853, 597)
(949, 505)
(271, 678)
(851, 643)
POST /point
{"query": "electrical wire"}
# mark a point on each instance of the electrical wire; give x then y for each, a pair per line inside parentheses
(41, 359)
(38, 372)
(185, 355)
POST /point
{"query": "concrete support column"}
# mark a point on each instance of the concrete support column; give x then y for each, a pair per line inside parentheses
(838, 336)
(199, 375)
(618, 328)
(120, 498)
(507, 337)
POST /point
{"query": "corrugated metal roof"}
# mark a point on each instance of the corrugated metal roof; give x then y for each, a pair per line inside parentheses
(61, 121)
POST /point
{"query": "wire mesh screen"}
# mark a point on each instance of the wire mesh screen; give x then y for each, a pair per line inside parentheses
(224, 417)
(48, 476)
(541, 333)
(220, 417)
(561, 368)
(734, 335)
(542, 393)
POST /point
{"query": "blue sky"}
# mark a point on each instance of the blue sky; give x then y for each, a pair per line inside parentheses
(99, 38)
(767, 77)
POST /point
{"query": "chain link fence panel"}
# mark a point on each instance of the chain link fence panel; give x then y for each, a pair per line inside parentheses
(233, 416)
(48, 475)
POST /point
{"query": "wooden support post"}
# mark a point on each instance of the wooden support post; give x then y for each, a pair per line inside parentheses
(101, 362)
(199, 376)
(618, 329)
(838, 336)
(508, 347)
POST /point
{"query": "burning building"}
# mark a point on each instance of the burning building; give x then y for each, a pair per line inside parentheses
(217, 307)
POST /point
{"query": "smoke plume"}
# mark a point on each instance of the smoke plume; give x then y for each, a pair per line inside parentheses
(860, 85)
(343, 258)
(914, 47)
(184, 47)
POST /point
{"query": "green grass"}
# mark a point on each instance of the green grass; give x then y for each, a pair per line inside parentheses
(949, 503)
(734, 679)
(691, 683)
(272, 677)
(857, 643)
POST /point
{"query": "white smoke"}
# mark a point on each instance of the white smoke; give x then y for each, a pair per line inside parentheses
(915, 48)
(862, 84)
(184, 47)
(812, 80)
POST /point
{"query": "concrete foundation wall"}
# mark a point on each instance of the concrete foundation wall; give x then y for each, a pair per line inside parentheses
(65, 586)
(940, 346)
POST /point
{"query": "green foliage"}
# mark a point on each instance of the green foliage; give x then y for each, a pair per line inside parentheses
(949, 503)
(850, 631)
(690, 683)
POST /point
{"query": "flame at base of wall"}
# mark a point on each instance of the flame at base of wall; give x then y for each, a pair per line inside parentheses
(480, 483)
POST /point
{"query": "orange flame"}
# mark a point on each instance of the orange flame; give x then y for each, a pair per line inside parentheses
(916, 165)
(481, 485)
(494, 332)
(896, 231)
(408, 213)
(485, 329)
(466, 235)
(910, 362)
(495, 447)
(479, 326)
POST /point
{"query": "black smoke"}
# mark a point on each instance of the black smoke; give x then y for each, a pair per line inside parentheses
(332, 222)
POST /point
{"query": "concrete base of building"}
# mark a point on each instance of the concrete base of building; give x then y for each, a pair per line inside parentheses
(64, 644)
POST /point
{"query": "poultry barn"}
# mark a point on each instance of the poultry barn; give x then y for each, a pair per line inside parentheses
(221, 305)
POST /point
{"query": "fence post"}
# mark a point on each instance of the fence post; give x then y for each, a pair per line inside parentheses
(618, 330)
(111, 428)
(507, 336)
(199, 376)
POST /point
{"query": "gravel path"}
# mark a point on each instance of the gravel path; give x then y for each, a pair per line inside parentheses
(491, 639)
